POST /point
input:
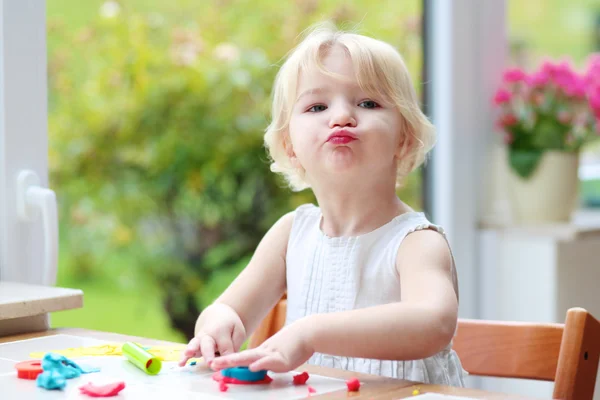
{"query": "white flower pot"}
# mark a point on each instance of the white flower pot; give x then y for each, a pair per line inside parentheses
(550, 194)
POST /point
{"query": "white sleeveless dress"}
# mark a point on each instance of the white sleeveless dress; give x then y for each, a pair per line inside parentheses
(326, 274)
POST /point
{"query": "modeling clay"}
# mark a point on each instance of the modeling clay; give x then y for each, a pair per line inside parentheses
(311, 390)
(301, 379)
(110, 390)
(353, 385)
(220, 378)
(29, 369)
(416, 392)
(57, 369)
(244, 374)
(165, 353)
(193, 363)
(51, 380)
(223, 386)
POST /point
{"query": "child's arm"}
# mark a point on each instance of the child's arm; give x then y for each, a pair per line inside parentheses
(419, 326)
(224, 325)
(261, 284)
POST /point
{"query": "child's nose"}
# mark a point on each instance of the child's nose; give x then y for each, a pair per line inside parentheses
(342, 116)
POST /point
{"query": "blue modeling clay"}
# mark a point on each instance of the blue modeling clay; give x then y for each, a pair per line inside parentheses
(51, 380)
(193, 363)
(57, 369)
(244, 374)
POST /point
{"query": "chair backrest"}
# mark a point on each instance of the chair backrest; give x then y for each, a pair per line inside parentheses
(567, 354)
(564, 353)
(270, 325)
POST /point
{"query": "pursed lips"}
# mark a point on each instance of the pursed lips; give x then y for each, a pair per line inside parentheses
(341, 137)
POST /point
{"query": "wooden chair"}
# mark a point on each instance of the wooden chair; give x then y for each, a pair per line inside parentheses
(272, 323)
(566, 353)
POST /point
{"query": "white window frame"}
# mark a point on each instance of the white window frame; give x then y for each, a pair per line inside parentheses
(28, 220)
(467, 53)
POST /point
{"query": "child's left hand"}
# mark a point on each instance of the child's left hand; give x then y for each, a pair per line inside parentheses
(286, 350)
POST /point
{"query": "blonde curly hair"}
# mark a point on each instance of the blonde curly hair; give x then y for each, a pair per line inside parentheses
(380, 71)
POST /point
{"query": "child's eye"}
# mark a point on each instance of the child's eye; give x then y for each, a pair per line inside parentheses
(368, 104)
(317, 108)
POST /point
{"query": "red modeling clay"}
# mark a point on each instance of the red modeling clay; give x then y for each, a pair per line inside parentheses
(301, 379)
(353, 384)
(225, 379)
(223, 386)
(311, 390)
(112, 389)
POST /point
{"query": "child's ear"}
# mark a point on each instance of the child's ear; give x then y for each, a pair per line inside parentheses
(403, 146)
(289, 150)
(407, 141)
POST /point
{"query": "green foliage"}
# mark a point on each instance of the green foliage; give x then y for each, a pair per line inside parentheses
(156, 145)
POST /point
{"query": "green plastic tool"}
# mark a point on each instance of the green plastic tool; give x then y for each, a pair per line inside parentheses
(139, 357)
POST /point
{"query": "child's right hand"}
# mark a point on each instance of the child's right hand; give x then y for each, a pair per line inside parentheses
(218, 329)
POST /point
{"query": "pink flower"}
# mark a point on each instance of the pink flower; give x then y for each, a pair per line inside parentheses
(502, 96)
(576, 89)
(514, 75)
(508, 120)
(538, 79)
(538, 99)
(594, 100)
(564, 117)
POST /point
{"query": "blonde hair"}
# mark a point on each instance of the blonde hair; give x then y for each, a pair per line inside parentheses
(380, 72)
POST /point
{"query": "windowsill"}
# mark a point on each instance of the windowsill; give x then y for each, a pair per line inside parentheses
(19, 300)
(585, 223)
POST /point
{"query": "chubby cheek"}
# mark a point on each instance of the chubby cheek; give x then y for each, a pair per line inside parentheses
(304, 137)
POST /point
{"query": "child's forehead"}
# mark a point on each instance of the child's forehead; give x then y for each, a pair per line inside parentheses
(326, 87)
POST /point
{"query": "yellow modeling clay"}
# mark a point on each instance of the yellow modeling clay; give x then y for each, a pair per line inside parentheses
(165, 353)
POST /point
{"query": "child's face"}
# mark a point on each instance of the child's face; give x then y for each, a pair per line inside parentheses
(369, 129)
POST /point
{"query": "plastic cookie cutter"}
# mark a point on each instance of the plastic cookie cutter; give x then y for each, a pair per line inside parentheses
(139, 357)
(29, 369)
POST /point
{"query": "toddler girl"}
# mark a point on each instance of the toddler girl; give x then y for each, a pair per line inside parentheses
(371, 284)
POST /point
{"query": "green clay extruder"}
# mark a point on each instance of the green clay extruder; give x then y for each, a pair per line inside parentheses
(142, 359)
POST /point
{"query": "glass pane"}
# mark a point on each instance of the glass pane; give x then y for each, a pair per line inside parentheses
(157, 110)
(559, 30)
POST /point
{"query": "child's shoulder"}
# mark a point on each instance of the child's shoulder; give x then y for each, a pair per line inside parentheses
(418, 221)
(307, 210)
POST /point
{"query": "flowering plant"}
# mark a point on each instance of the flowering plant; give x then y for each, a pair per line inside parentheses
(553, 108)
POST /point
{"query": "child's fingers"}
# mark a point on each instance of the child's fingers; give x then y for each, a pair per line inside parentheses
(238, 338)
(271, 362)
(193, 347)
(190, 351)
(207, 348)
(224, 345)
(244, 358)
(183, 361)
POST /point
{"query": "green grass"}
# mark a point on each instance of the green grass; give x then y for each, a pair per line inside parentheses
(106, 309)
(117, 298)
